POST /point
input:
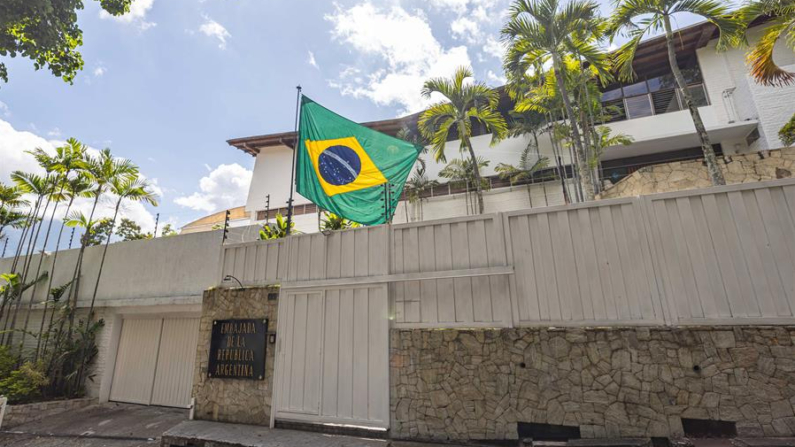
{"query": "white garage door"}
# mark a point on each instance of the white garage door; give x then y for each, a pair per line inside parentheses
(154, 362)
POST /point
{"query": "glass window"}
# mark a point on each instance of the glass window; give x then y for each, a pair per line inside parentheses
(661, 83)
(615, 110)
(636, 89)
(638, 106)
(611, 95)
(665, 101)
(699, 94)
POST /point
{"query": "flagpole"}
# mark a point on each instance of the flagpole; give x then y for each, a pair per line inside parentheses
(295, 154)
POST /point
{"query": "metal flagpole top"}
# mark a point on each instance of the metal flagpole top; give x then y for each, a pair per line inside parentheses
(295, 154)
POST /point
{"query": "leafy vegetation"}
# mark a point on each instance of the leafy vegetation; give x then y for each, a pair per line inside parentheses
(465, 103)
(47, 33)
(333, 222)
(780, 29)
(276, 230)
(787, 133)
(64, 342)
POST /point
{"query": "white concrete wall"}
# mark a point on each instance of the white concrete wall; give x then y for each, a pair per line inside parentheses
(166, 270)
(499, 200)
(772, 106)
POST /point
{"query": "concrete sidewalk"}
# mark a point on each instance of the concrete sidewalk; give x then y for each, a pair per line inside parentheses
(111, 425)
(217, 434)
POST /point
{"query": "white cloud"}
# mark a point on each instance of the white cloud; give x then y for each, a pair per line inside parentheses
(55, 133)
(211, 28)
(4, 110)
(495, 79)
(494, 47)
(402, 52)
(224, 187)
(14, 145)
(465, 29)
(311, 60)
(136, 15)
(100, 71)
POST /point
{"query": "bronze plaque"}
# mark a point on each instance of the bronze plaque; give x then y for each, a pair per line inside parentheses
(237, 349)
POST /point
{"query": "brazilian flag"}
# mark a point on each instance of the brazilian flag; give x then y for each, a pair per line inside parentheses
(345, 168)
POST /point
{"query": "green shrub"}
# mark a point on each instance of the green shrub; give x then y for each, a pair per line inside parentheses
(24, 384)
(8, 361)
(787, 133)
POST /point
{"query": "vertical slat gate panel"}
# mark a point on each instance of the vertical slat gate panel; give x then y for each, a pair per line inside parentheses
(331, 353)
(346, 350)
(478, 257)
(378, 356)
(136, 361)
(444, 261)
(428, 306)
(399, 288)
(175, 361)
(462, 286)
(411, 264)
(361, 315)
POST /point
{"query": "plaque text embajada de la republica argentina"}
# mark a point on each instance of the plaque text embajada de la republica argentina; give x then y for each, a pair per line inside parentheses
(237, 349)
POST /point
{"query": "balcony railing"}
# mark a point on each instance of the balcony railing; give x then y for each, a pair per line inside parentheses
(653, 103)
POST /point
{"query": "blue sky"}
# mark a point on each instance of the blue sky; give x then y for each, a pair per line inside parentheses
(168, 83)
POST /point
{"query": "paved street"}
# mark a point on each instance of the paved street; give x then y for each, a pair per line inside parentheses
(111, 425)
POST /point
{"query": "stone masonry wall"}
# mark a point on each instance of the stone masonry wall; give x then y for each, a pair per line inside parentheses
(633, 382)
(234, 400)
(691, 174)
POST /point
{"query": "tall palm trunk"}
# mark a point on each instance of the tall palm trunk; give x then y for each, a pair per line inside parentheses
(96, 288)
(713, 169)
(585, 174)
(49, 284)
(558, 164)
(475, 171)
(7, 297)
(26, 268)
(74, 286)
(36, 285)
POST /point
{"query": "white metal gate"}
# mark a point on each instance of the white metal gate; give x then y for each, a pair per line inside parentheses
(333, 353)
(154, 361)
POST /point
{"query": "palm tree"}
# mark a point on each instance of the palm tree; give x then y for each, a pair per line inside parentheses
(655, 15)
(76, 187)
(530, 162)
(782, 25)
(102, 170)
(463, 171)
(124, 187)
(465, 103)
(67, 159)
(42, 188)
(418, 183)
(543, 31)
(10, 219)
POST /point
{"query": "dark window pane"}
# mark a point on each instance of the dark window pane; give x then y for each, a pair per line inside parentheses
(665, 101)
(699, 95)
(615, 110)
(638, 106)
(666, 82)
(611, 95)
(636, 89)
(692, 75)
